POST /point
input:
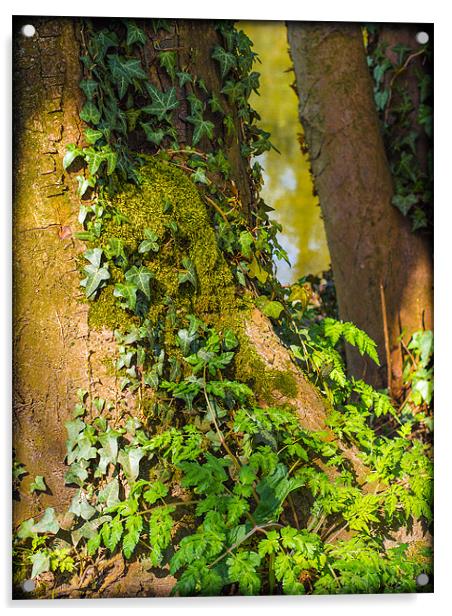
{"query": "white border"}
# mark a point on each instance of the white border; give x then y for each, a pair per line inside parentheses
(382, 10)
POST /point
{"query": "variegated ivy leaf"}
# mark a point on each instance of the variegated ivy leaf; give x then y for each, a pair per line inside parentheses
(109, 495)
(41, 563)
(48, 523)
(81, 507)
(140, 277)
(130, 462)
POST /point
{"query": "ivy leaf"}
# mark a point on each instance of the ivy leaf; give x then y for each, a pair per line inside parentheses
(184, 340)
(257, 271)
(124, 72)
(141, 278)
(246, 240)
(128, 292)
(89, 87)
(90, 113)
(162, 102)
(130, 462)
(93, 135)
(153, 135)
(38, 485)
(48, 523)
(271, 309)
(26, 529)
(189, 275)
(134, 526)
(199, 177)
(150, 243)
(226, 60)
(184, 78)
(110, 493)
(157, 490)
(109, 450)
(167, 60)
(81, 507)
(41, 563)
(96, 276)
(135, 34)
(203, 128)
(71, 154)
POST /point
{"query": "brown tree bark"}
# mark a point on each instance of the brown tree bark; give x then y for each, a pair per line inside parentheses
(383, 272)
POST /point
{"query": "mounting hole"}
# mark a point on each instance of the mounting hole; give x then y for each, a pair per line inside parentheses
(28, 586)
(422, 38)
(422, 579)
(28, 30)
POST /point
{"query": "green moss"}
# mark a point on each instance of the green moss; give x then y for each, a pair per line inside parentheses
(166, 194)
(251, 369)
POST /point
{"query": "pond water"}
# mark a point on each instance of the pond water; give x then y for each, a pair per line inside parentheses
(287, 181)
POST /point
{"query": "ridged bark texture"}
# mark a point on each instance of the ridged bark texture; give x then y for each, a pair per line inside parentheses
(382, 271)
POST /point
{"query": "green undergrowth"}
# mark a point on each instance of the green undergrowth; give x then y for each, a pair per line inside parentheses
(206, 477)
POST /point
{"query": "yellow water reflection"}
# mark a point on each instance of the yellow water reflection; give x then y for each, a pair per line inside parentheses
(288, 184)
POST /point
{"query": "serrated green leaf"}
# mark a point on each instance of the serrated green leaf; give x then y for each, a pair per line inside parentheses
(156, 491)
(134, 526)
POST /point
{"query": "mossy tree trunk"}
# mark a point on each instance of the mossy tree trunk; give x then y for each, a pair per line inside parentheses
(383, 272)
(56, 351)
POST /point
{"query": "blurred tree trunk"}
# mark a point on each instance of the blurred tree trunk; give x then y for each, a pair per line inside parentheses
(382, 271)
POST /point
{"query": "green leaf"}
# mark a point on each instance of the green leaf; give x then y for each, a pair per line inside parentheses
(48, 523)
(38, 485)
(90, 113)
(156, 491)
(257, 271)
(184, 78)
(92, 135)
(141, 278)
(168, 61)
(81, 507)
(242, 569)
(71, 154)
(246, 240)
(202, 128)
(89, 87)
(130, 462)
(128, 292)
(26, 529)
(226, 60)
(109, 495)
(152, 134)
(162, 102)
(134, 526)
(135, 34)
(112, 533)
(189, 275)
(96, 276)
(271, 309)
(41, 563)
(150, 243)
(230, 340)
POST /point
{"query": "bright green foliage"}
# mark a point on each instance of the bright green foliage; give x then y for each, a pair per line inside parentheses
(259, 499)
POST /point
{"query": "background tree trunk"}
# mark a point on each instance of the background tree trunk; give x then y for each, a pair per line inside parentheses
(382, 271)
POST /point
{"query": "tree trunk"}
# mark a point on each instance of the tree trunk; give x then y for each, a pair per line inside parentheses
(383, 272)
(56, 350)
